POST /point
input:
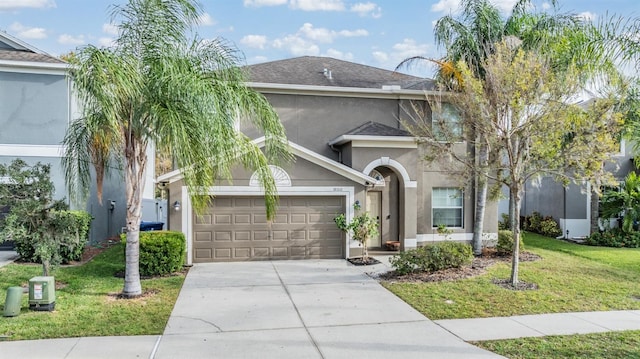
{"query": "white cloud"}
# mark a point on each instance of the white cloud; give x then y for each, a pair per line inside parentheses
(587, 16)
(400, 51)
(327, 36)
(317, 5)
(546, 6)
(453, 6)
(66, 39)
(110, 29)
(106, 42)
(18, 4)
(260, 3)
(380, 56)
(25, 32)
(366, 9)
(448, 6)
(296, 45)
(255, 41)
(336, 54)
(206, 20)
(258, 59)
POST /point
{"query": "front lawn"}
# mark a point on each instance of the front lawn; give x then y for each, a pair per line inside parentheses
(600, 345)
(87, 303)
(571, 278)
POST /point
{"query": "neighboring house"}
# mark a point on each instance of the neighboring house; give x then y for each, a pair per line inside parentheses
(575, 206)
(342, 122)
(36, 106)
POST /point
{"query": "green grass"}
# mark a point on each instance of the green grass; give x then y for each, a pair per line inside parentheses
(87, 303)
(601, 345)
(571, 278)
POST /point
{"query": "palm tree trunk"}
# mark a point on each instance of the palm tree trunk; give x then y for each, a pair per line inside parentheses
(135, 176)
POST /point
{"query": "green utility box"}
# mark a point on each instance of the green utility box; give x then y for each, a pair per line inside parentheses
(13, 303)
(42, 293)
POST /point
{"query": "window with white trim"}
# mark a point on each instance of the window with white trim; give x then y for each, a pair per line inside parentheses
(447, 207)
(446, 122)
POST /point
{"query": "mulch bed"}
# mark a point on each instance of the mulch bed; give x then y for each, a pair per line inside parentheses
(477, 267)
(360, 261)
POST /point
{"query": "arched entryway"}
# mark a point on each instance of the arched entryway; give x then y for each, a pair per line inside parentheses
(393, 200)
(383, 202)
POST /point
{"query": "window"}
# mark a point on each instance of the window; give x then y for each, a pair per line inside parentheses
(446, 123)
(446, 205)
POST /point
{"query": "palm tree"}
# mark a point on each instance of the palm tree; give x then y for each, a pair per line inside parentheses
(159, 86)
(473, 36)
(625, 201)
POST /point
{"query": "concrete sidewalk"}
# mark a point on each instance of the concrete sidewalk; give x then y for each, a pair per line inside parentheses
(540, 325)
(7, 257)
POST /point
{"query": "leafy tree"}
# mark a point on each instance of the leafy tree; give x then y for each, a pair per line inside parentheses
(521, 110)
(362, 227)
(626, 201)
(159, 85)
(473, 36)
(35, 220)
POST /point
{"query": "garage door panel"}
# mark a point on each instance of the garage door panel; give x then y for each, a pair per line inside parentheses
(203, 254)
(203, 219)
(237, 229)
(261, 235)
(202, 237)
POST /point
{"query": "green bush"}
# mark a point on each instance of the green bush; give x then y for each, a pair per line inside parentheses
(505, 223)
(161, 252)
(505, 242)
(71, 232)
(615, 237)
(431, 258)
(549, 227)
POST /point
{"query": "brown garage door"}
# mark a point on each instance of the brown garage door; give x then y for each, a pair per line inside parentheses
(236, 229)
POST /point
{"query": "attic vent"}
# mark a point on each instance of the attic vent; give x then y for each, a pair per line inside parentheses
(390, 87)
(327, 74)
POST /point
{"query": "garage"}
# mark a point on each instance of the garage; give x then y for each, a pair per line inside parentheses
(236, 229)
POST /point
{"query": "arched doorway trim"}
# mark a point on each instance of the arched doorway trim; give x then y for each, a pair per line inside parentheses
(395, 165)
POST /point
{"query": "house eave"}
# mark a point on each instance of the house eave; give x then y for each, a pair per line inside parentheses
(375, 141)
(313, 90)
(34, 67)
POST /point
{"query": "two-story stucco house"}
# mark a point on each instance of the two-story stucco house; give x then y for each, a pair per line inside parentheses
(36, 106)
(342, 123)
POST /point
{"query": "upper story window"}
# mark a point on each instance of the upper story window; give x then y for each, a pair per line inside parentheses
(446, 123)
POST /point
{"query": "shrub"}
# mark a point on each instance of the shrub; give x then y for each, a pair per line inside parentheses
(505, 223)
(161, 252)
(430, 258)
(505, 242)
(70, 230)
(549, 227)
(614, 237)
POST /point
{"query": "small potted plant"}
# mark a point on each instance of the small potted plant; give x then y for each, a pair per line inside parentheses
(361, 227)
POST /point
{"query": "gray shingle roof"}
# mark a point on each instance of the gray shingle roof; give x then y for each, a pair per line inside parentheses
(376, 129)
(27, 56)
(326, 71)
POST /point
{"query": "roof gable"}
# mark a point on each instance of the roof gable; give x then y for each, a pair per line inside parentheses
(303, 153)
(14, 49)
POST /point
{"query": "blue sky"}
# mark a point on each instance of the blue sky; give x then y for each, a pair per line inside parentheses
(374, 32)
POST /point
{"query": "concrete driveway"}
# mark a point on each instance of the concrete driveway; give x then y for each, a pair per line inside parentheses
(299, 309)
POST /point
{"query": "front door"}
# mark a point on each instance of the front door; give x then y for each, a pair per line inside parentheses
(374, 207)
